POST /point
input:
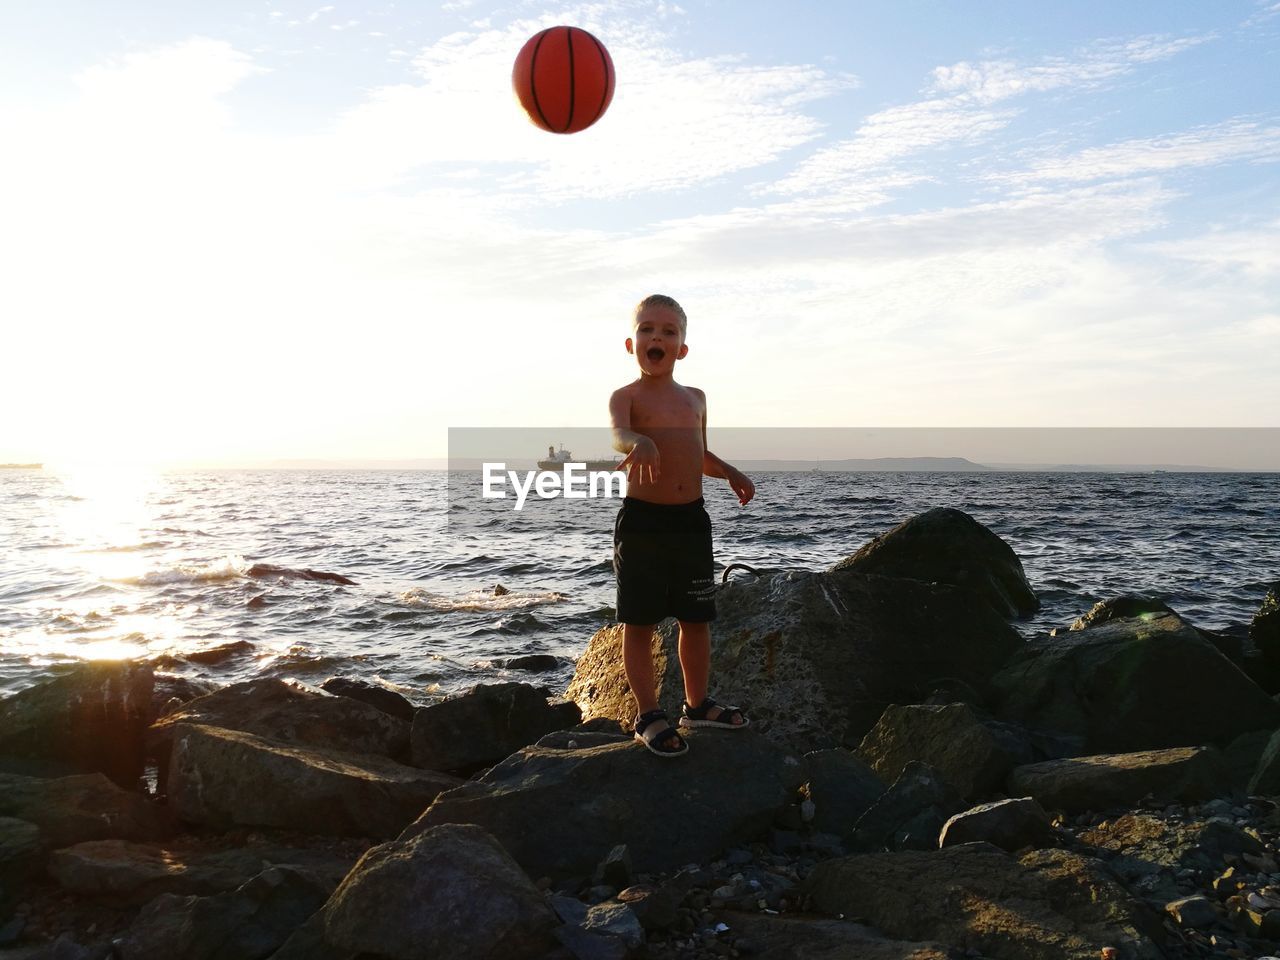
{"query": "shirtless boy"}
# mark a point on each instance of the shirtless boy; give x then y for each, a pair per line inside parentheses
(662, 536)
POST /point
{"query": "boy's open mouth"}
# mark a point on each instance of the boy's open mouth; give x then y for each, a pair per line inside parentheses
(655, 353)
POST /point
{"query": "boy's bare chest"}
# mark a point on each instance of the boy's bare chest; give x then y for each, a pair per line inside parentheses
(674, 411)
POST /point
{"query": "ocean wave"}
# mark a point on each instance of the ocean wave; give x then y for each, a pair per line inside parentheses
(131, 547)
(230, 567)
(479, 600)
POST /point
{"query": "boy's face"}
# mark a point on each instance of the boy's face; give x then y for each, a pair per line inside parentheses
(657, 340)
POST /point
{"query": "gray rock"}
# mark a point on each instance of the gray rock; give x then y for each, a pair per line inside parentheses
(19, 842)
(171, 691)
(451, 891)
(615, 919)
(222, 777)
(1123, 685)
(945, 545)
(532, 663)
(287, 712)
(307, 942)
(93, 718)
(559, 812)
(570, 910)
(248, 923)
(1124, 779)
(1047, 905)
(816, 657)
(1007, 824)
(842, 788)
(489, 723)
(1242, 756)
(83, 807)
(1125, 607)
(374, 694)
(972, 755)
(1197, 912)
(615, 868)
(910, 814)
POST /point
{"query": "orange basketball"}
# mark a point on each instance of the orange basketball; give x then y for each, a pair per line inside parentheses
(564, 79)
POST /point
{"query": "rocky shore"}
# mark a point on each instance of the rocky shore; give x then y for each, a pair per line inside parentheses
(918, 782)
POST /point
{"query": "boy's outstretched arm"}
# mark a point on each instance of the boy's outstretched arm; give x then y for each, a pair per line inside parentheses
(713, 466)
(641, 452)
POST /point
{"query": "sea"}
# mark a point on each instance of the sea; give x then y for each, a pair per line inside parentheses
(205, 571)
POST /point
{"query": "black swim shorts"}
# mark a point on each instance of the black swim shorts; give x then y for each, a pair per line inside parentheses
(662, 559)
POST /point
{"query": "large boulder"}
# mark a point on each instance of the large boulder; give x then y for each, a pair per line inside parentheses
(288, 712)
(560, 812)
(1116, 780)
(945, 545)
(842, 788)
(224, 777)
(816, 657)
(1048, 905)
(485, 725)
(1009, 824)
(1132, 684)
(82, 807)
(973, 755)
(248, 923)
(910, 814)
(131, 874)
(374, 694)
(1266, 774)
(93, 718)
(450, 891)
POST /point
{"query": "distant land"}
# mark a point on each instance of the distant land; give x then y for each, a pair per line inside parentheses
(21, 466)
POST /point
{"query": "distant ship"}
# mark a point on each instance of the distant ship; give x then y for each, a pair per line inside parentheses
(556, 459)
(21, 466)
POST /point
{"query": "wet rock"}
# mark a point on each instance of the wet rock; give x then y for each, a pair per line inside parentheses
(477, 729)
(816, 657)
(451, 891)
(223, 652)
(93, 718)
(972, 755)
(247, 923)
(842, 788)
(1047, 905)
(1122, 686)
(1007, 824)
(123, 873)
(945, 545)
(87, 806)
(559, 812)
(1125, 607)
(222, 777)
(532, 663)
(374, 694)
(910, 814)
(171, 691)
(267, 571)
(288, 712)
(1123, 779)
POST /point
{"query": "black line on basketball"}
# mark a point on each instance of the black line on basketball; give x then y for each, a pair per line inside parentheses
(608, 77)
(533, 81)
(568, 33)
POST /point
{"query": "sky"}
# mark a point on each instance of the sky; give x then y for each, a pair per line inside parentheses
(257, 230)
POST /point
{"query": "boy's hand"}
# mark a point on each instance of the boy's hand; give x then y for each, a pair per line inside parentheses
(741, 485)
(642, 459)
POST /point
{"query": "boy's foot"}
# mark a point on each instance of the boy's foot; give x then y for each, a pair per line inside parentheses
(711, 714)
(658, 735)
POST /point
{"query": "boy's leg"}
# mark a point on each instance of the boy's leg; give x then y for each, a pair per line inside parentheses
(695, 664)
(637, 662)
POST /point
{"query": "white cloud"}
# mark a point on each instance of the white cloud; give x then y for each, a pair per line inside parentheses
(1234, 141)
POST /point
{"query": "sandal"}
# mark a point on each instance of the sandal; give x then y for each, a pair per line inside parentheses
(653, 730)
(697, 716)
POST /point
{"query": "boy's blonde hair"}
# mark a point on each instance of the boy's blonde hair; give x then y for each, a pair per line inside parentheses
(662, 300)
